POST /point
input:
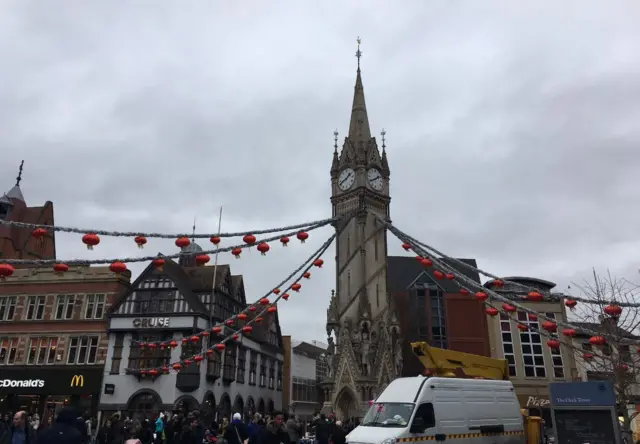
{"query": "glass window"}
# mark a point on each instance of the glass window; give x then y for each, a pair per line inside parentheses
(388, 414)
(82, 350)
(242, 358)
(42, 351)
(507, 345)
(141, 356)
(35, 308)
(7, 307)
(263, 371)
(95, 306)
(64, 306)
(8, 350)
(253, 365)
(532, 354)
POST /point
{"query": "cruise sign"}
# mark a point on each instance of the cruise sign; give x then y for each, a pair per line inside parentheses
(151, 322)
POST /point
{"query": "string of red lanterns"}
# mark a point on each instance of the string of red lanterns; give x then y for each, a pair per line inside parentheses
(239, 324)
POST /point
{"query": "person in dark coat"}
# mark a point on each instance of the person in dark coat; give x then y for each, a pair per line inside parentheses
(322, 429)
(20, 432)
(65, 429)
(275, 431)
(338, 434)
(236, 432)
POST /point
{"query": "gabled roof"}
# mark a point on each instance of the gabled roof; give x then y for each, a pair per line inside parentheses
(16, 193)
(176, 273)
(402, 271)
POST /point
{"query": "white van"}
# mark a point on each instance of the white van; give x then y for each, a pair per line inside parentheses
(450, 410)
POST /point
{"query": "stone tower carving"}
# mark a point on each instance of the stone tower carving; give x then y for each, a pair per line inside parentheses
(364, 334)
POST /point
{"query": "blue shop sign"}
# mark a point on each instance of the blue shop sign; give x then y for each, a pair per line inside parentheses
(580, 394)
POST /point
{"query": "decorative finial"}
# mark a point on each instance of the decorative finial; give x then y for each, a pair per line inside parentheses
(335, 140)
(19, 178)
(358, 52)
(193, 233)
(383, 133)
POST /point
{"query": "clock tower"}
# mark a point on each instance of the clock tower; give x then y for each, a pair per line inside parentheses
(363, 330)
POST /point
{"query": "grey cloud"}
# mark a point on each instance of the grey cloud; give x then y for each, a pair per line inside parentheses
(511, 130)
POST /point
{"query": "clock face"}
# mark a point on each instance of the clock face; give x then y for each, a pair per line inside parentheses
(375, 179)
(346, 179)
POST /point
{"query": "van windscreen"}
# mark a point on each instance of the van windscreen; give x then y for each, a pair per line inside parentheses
(388, 414)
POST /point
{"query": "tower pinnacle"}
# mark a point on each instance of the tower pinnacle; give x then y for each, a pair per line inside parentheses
(359, 130)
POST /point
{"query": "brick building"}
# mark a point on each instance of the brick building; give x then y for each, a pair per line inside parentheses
(53, 337)
(18, 243)
(434, 311)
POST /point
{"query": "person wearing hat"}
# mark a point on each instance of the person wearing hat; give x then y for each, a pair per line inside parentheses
(236, 432)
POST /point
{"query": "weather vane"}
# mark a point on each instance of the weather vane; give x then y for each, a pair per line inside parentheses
(193, 234)
(383, 133)
(335, 139)
(358, 52)
(19, 178)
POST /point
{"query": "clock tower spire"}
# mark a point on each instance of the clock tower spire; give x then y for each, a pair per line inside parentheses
(361, 322)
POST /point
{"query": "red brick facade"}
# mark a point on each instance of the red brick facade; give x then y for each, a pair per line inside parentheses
(68, 299)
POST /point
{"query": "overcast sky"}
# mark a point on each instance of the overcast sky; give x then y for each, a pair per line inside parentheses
(513, 128)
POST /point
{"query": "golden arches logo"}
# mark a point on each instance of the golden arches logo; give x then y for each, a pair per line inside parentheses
(77, 381)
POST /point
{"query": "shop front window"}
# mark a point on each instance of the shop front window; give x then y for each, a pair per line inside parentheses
(8, 350)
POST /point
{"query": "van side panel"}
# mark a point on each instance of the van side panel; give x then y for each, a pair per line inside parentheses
(464, 407)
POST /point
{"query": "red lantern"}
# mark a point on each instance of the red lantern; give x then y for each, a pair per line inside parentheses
(613, 310)
(153, 346)
(247, 329)
(597, 340)
(302, 236)
(491, 311)
(284, 240)
(215, 240)
(195, 338)
(438, 274)
(182, 242)
(427, 262)
(276, 291)
(140, 240)
(202, 259)
(419, 258)
(205, 334)
(532, 317)
(553, 343)
(551, 327)
(258, 319)
(465, 292)
(264, 301)
(249, 239)
(534, 296)
(220, 347)
(185, 340)
(481, 296)
(296, 287)
(522, 327)
(118, 267)
(153, 372)
(450, 276)
(498, 283)
(570, 303)
(173, 344)
(159, 263)
(587, 356)
(217, 330)
(177, 366)
(198, 358)
(318, 263)
(237, 252)
(209, 352)
(285, 296)
(508, 308)
(39, 233)
(235, 337)
(406, 246)
(187, 362)
(307, 275)
(252, 308)
(60, 268)
(272, 309)
(243, 316)
(569, 332)
(165, 370)
(263, 248)
(230, 322)
(90, 240)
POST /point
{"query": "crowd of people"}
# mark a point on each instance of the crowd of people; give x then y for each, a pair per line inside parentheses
(69, 427)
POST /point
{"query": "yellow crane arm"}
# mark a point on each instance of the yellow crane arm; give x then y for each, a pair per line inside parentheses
(444, 362)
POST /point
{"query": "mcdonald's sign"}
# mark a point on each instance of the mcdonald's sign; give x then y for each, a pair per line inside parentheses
(77, 381)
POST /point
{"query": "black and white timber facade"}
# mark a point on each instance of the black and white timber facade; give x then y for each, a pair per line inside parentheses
(176, 302)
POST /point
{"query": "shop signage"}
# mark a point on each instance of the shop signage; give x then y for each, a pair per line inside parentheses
(534, 401)
(34, 383)
(151, 322)
(51, 380)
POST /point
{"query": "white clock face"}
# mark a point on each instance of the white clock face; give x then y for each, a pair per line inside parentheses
(375, 179)
(346, 179)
